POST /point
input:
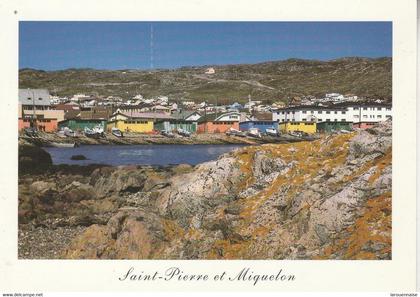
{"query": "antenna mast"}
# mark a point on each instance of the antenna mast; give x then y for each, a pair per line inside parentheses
(151, 46)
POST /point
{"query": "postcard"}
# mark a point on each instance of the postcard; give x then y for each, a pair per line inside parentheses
(213, 146)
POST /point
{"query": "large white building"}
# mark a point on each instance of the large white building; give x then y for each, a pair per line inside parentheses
(351, 112)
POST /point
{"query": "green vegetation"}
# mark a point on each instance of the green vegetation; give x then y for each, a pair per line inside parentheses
(269, 81)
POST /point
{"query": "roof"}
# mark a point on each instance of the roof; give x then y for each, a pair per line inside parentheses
(338, 106)
(184, 114)
(146, 115)
(335, 122)
(266, 116)
(41, 97)
(310, 107)
(95, 114)
(71, 114)
(214, 116)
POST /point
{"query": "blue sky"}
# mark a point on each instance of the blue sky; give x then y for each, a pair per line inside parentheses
(122, 45)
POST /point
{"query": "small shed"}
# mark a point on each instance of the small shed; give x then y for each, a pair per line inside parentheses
(328, 127)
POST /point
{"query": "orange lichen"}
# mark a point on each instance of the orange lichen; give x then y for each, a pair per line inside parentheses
(373, 226)
(382, 163)
(172, 229)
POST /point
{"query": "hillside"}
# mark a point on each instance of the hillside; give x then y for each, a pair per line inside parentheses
(269, 81)
(328, 199)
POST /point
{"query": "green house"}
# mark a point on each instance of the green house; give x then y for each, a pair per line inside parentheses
(328, 127)
(171, 125)
(80, 124)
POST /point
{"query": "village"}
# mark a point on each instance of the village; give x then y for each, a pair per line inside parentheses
(95, 116)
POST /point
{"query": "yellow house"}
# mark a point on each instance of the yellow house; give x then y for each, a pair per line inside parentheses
(307, 127)
(138, 123)
(132, 121)
(131, 125)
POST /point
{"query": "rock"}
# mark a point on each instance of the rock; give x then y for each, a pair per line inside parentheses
(42, 186)
(79, 193)
(128, 235)
(266, 168)
(78, 157)
(107, 181)
(33, 159)
(376, 140)
(195, 192)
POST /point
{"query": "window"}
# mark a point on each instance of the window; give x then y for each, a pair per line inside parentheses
(304, 111)
(355, 108)
(29, 98)
(356, 116)
(312, 112)
(319, 111)
(335, 112)
(319, 120)
(328, 120)
(328, 112)
(365, 108)
(365, 116)
(379, 116)
(282, 120)
(39, 98)
(343, 112)
(335, 120)
(388, 116)
(379, 108)
(304, 120)
(343, 120)
(388, 108)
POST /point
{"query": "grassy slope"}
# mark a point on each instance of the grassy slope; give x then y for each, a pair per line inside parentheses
(269, 81)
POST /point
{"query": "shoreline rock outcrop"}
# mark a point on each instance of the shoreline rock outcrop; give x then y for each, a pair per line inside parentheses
(327, 199)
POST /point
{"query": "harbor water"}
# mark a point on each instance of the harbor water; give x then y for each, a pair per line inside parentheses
(140, 154)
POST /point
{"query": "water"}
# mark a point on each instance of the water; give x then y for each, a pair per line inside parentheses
(139, 154)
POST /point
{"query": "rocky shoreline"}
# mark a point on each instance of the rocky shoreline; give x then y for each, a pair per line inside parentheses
(46, 139)
(326, 199)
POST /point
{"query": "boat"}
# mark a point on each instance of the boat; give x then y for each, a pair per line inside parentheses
(95, 132)
(69, 132)
(254, 132)
(183, 132)
(167, 134)
(31, 132)
(63, 145)
(61, 134)
(116, 132)
(234, 132)
(271, 132)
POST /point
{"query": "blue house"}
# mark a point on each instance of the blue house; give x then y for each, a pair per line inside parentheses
(261, 125)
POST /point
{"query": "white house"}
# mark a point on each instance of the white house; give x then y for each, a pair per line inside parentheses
(346, 112)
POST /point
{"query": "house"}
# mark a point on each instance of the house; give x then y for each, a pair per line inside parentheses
(369, 112)
(36, 111)
(307, 127)
(218, 123)
(192, 116)
(138, 122)
(175, 124)
(210, 70)
(78, 124)
(260, 125)
(327, 127)
(342, 112)
(364, 125)
(307, 113)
